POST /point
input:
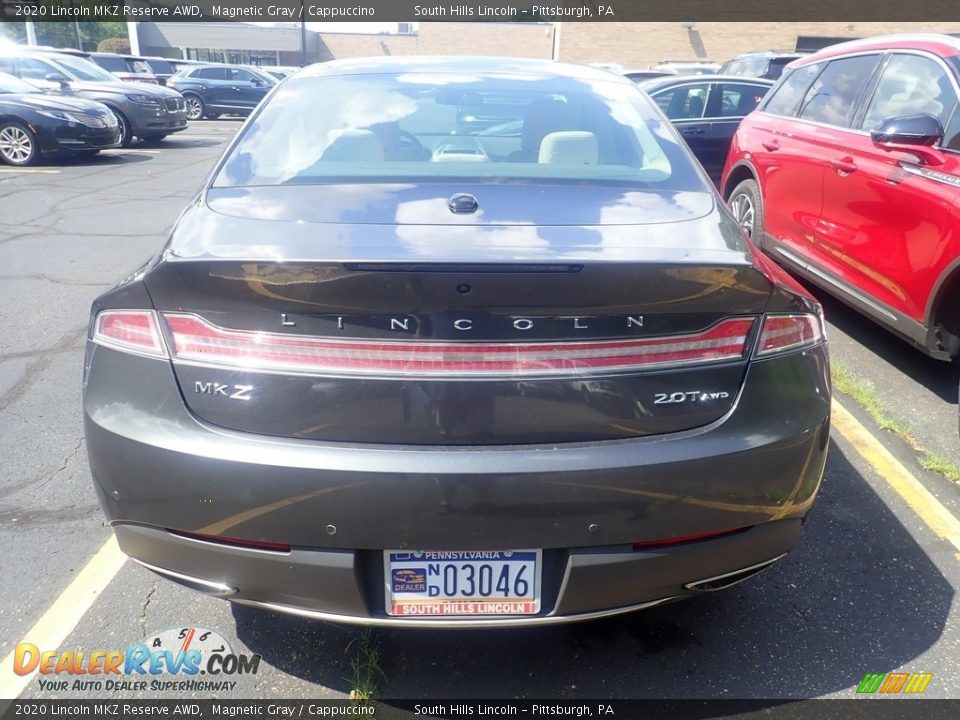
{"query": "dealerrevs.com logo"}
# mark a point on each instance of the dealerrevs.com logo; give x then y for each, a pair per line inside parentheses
(180, 653)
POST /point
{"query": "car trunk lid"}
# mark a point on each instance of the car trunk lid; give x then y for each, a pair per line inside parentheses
(305, 325)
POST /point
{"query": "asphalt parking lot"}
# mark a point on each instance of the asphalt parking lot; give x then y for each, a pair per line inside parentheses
(871, 588)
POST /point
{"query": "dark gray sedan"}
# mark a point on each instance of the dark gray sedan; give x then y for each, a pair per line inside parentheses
(394, 369)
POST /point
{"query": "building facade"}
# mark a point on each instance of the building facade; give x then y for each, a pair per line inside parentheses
(630, 45)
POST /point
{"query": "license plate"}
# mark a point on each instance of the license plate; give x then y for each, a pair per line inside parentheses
(462, 582)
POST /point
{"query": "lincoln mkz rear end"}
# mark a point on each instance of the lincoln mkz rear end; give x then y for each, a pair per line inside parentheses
(456, 343)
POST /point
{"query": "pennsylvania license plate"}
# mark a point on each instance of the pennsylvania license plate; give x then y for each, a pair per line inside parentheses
(462, 582)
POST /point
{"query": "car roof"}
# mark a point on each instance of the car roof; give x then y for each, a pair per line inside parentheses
(672, 80)
(197, 66)
(125, 56)
(398, 64)
(21, 51)
(770, 54)
(33, 50)
(942, 45)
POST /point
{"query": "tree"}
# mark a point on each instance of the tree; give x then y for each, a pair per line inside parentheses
(114, 45)
(64, 34)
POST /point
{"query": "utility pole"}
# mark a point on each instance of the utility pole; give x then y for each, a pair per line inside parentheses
(134, 38)
(303, 35)
(31, 33)
(555, 50)
(76, 28)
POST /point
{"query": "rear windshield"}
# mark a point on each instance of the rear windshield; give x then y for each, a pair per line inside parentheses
(161, 66)
(424, 126)
(113, 63)
(140, 66)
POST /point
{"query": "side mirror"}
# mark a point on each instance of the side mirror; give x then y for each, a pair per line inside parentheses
(257, 82)
(915, 134)
(58, 78)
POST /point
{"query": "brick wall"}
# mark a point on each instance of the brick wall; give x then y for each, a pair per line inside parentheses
(514, 40)
(632, 45)
(640, 45)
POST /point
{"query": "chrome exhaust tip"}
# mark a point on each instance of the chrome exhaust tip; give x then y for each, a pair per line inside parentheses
(722, 582)
(207, 587)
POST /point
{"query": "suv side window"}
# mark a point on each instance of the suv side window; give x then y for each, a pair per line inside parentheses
(241, 75)
(951, 136)
(910, 85)
(739, 100)
(786, 97)
(832, 99)
(686, 102)
(211, 73)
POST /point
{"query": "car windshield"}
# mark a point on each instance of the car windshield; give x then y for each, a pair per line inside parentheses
(265, 76)
(83, 70)
(11, 84)
(441, 126)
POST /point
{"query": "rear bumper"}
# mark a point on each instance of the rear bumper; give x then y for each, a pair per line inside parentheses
(347, 586)
(157, 467)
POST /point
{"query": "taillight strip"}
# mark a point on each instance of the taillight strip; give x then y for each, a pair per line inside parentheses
(199, 341)
(132, 331)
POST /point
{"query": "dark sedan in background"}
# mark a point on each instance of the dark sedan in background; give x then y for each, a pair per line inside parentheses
(211, 90)
(707, 111)
(394, 369)
(142, 110)
(34, 124)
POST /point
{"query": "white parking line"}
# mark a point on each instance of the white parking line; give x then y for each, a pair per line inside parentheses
(67, 610)
(122, 151)
(35, 171)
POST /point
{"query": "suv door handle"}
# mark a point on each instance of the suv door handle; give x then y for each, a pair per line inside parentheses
(692, 131)
(771, 145)
(844, 166)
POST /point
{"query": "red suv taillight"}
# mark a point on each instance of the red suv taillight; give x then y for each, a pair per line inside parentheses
(781, 333)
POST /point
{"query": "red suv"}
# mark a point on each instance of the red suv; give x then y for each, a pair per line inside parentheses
(848, 174)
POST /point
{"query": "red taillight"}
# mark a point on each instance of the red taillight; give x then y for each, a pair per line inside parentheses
(682, 539)
(135, 331)
(197, 340)
(789, 332)
(235, 542)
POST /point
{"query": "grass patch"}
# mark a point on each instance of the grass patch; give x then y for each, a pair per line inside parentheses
(863, 392)
(365, 670)
(939, 464)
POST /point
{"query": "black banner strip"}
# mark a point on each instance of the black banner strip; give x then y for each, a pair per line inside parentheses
(860, 708)
(482, 11)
